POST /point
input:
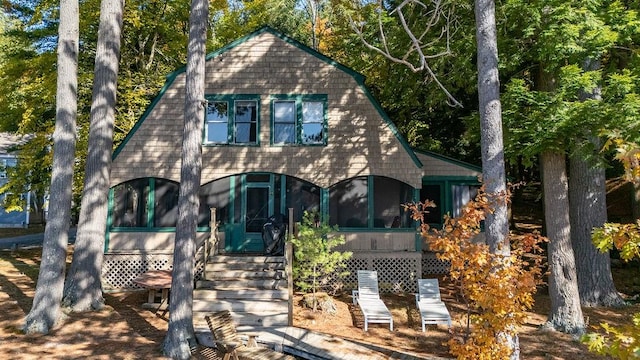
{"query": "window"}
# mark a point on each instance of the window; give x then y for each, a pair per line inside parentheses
(388, 197)
(432, 193)
(449, 195)
(217, 127)
(348, 203)
(130, 203)
(5, 164)
(312, 122)
(214, 195)
(302, 196)
(299, 119)
(165, 210)
(284, 122)
(232, 119)
(462, 194)
(372, 202)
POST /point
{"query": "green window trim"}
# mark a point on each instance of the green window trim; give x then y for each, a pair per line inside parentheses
(233, 101)
(303, 104)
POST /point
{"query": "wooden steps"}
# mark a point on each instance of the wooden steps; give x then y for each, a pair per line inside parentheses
(253, 288)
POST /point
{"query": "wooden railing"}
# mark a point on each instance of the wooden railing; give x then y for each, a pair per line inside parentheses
(211, 242)
(288, 256)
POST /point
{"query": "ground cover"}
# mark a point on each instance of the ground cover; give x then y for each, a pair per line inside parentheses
(124, 330)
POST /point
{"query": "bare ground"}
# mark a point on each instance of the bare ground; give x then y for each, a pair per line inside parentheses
(124, 330)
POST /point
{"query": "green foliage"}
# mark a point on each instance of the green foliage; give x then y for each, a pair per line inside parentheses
(619, 342)
(315, 257)
(420, 111)
(624, 237)
(238, 19)
(564, 51)
(153, 45)
(497, 289)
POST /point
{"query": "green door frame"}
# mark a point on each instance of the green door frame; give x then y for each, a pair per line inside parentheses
(242, 241)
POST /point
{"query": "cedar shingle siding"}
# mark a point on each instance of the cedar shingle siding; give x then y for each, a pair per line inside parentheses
(360, 141)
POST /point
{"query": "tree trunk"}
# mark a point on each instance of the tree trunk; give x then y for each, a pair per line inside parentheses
(493, 172)
(45, 310)
(635, 201)
(180, 332)
(492, 146)
(83, 289)
(587, 198)
(565, 314)
(588, 202)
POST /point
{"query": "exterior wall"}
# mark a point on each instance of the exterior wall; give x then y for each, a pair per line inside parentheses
(439, 166)
(147, 241)
(359, 140)
(379, 241)
(162, 242)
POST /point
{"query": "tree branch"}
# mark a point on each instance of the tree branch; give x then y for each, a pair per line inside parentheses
(436, 14)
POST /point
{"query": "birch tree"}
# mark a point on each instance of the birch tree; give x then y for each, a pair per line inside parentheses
(180, 332)
(83, 288)
(45, 311)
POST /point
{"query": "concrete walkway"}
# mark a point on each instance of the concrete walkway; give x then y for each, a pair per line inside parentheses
(312, 345)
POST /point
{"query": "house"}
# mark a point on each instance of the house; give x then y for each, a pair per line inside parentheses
(285, 127)
(8, 159)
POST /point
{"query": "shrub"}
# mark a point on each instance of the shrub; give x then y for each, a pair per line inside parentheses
(315, 257)
(619, 342)
(496, 289)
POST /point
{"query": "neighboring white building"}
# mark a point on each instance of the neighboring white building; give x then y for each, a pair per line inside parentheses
(8, 158)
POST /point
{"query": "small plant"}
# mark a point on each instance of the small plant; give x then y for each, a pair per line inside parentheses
(618, 342)
(315, 257)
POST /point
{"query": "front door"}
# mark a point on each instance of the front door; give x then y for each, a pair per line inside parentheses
(256, 207)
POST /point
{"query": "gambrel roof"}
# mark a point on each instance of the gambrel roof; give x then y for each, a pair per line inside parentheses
(359, 78)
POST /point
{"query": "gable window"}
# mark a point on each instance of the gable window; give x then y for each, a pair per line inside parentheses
(300, 119)
(232, 119)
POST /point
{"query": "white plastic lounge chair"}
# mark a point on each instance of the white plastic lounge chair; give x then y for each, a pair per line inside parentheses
(367, 297)
(432, 309)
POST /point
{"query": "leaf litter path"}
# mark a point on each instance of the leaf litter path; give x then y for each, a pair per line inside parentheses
(124, 330)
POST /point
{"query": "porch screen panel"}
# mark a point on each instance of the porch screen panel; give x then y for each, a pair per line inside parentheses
(246, 122)
(348, 203)
(129, 203)
(214, 195)
(302, 196)
(284, 122)
(166, 203)
(388, 197)
(432, 193)
(217, 122)
(462, 194)
(257, 208)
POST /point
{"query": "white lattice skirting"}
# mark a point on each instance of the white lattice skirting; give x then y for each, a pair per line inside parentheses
(119, 270)
(397, 271)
